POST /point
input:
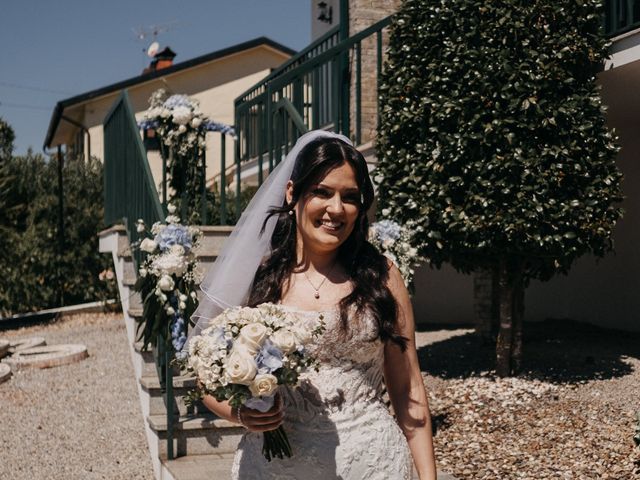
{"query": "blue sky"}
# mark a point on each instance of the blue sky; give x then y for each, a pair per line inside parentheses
(52, 50)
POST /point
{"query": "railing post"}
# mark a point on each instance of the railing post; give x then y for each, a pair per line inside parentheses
(358, 93)
(169, 399)
(238, 173)
(203, 207)
(344, 83)
(223, 181)
(378, 72)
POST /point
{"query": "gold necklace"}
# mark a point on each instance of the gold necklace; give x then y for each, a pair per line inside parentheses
(316, 295)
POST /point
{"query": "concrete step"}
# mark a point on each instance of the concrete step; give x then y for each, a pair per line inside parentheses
(199, 467)
(201, 434)
(218, 466)
(181, 386)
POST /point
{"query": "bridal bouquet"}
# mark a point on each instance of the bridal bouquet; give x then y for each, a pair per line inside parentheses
(395, 242)
(167, 280)
(245, 354)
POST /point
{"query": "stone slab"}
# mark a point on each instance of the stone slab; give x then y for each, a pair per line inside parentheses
(26, 343)
(5, 372)
(47, 356)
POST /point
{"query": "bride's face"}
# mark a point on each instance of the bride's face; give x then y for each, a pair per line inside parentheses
(327, 212)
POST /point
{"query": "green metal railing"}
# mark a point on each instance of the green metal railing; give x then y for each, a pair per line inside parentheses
(319, 90)
(128, 184)
(129, 195)
(621, 16)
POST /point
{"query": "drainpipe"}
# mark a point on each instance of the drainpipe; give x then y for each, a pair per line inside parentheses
(60, 223)
(345, 96)
(84, 129)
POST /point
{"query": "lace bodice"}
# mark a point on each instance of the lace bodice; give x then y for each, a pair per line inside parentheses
(336, 421)
(350, 367)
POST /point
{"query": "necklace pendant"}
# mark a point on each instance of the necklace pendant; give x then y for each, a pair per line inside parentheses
(316, 295)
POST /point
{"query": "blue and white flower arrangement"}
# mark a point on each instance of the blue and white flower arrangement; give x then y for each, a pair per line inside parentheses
(179, 122)
(395, 242)
(245, 354)
(167, 280)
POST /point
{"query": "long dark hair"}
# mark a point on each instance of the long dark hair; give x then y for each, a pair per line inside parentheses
(367, 269)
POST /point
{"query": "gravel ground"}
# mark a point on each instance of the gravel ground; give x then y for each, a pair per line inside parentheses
(570, 415)
(77, 421)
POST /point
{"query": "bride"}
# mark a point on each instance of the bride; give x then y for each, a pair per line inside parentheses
(302, 243)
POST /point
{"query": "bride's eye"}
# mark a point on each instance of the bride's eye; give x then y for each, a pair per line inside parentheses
(321, 192)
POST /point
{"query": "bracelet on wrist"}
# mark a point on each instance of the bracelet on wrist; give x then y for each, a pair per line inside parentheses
(239, 417)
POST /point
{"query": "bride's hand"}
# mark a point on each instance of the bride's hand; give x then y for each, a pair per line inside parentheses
(257, 421)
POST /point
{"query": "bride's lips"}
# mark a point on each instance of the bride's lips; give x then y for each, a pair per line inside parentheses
(331, 226)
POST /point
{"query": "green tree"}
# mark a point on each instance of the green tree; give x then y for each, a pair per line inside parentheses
(7, 136)
(493, 139)
(34, 270)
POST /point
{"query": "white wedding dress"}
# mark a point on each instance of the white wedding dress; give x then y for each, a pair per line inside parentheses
(338, 426)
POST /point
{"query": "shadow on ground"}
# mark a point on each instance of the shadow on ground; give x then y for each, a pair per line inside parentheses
(556, 350)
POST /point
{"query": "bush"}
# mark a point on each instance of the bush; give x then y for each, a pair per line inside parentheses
(36, 272)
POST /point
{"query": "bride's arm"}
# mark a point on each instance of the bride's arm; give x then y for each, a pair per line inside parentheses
(405, 385)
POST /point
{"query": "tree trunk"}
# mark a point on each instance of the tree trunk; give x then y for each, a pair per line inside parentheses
(518, 321)
(505, 335)
(483, 293)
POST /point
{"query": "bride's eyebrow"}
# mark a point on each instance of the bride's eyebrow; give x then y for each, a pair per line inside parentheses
(327, 187)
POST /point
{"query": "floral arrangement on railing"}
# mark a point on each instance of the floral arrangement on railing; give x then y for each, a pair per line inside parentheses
(181, 128)
(394, 242)
(167, 280)
(179, 123)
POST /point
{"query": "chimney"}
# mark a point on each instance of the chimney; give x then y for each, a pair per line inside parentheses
(163, 59)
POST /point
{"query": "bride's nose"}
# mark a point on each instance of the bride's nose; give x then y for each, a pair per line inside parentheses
(335, 205)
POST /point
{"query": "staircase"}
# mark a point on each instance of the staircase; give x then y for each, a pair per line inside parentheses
(202, 443)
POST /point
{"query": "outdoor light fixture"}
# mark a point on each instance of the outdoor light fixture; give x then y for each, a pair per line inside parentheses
(326, 12)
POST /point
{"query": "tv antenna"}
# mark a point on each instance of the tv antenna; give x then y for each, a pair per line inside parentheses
(149, 35)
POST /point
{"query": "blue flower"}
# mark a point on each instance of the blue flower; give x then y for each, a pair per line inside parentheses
(218, 336)
(269, 358)
(174, 235)
(387, 230)
(178, 101)
(261, 404)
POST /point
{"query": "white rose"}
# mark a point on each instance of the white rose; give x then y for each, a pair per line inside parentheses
(171, 208)
(177, 250)
(165, 112)
(166, 283)
(196, 122)
(182, 129)
(143, 272)
(169, 263)
(148, 245)
(284, 340)
(170, 311)
(182, 305)
(263, 385)
(252, 336)
(183, 297)
(240, 368)
(182, 116)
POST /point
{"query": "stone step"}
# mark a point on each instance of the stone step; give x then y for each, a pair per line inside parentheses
(218, 466)
(199, 467)
(181, 386)
(201, 434)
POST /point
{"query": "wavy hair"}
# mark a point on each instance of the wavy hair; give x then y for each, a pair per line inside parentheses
(367, 269)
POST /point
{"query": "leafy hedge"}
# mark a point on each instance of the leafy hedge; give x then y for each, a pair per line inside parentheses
(30, 264)
(493, 133)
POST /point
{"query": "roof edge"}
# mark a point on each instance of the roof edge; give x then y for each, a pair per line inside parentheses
(63, 104)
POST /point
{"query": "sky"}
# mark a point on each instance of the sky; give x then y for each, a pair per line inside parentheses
(53, 50)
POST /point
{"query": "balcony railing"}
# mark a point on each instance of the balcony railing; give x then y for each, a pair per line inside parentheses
(321, 88)
(621, 16)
